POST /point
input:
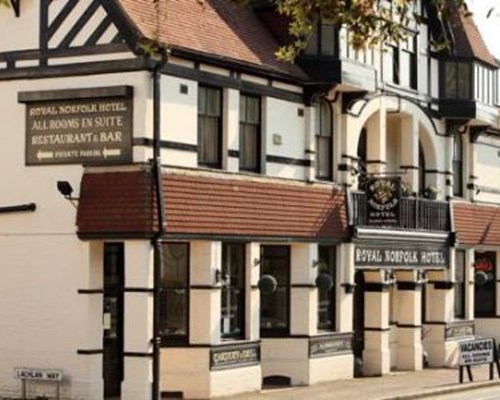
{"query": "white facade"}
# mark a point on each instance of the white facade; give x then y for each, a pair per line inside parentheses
(55, 282)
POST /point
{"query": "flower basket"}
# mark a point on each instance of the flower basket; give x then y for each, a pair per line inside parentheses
(324, 281)
(267, 284)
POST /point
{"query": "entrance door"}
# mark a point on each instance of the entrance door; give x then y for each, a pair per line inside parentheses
(113, 319)
(359, 321)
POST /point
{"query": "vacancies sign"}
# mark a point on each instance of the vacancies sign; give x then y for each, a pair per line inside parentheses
(477, 351)
(90, 128)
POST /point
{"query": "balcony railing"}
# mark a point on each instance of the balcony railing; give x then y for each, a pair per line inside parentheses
(414, 213)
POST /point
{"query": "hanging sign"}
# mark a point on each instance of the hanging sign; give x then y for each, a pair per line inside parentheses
(383, 197)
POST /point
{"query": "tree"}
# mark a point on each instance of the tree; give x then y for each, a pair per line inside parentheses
(369, 22)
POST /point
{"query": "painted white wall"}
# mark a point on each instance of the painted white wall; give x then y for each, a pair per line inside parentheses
(43, 320)
(26, 27)
(486, 168)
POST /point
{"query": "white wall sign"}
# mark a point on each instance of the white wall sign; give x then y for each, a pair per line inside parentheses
(476, 351)
(38, 374)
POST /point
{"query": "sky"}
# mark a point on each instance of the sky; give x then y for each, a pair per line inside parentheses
(489, 27)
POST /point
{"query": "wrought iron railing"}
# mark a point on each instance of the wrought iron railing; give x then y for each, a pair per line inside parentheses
(415, 213)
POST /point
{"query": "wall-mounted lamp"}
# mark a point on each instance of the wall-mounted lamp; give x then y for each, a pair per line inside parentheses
(220, 277)
(65, 188)
(256, 261)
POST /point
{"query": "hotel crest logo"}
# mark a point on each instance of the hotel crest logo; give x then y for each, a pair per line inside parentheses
(383, 195)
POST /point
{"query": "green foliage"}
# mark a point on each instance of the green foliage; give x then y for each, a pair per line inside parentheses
(369, 22)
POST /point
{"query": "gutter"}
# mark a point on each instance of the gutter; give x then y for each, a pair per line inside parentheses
(156, 240)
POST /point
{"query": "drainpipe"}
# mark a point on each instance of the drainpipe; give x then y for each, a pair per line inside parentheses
(156, 242)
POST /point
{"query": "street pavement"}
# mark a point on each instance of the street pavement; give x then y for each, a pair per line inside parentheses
(490, 393)
(429, 383)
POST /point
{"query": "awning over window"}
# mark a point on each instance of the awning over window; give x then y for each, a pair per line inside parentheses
(123, 203)
(477, 225)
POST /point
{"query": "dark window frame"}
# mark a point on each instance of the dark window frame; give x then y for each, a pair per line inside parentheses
(332, 293)
(217, 164)
(323, 137)
(460, 286)
(490, 289)
(173, 340)
(458, 165)
(284, 331)
(258, 133)
(229, 289)
(452, 88)
(318, 48)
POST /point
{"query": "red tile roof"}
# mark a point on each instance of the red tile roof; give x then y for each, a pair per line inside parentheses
(468, 42)
(122, 203)
(477, 225)
(214, 27)
(202, 205)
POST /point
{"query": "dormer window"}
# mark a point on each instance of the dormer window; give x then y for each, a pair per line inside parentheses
(323, 41)
(457, 80)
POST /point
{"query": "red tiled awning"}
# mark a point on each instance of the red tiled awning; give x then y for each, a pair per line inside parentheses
(477, 225)
(123, 203)
(202, 205)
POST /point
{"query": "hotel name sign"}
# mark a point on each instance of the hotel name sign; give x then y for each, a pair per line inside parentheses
(406, 256)
(92, 130)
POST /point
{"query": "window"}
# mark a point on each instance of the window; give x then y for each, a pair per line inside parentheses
(174, 303)
(323, 140)
(457, 80)
(421, 169)
(275, 306)
(233, 291)
(250, 133)
(210, 127)
(460, 284)
(323, 40)
(326, 298)
(404, 63)
(484, 284)
(457, 165)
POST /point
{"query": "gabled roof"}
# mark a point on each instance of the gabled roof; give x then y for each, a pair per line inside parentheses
(220, 28)
(467, 40)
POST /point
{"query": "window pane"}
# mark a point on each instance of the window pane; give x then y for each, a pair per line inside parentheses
(450, 80)
(323, 157)
(457, 165)
(326, 298)
(174, 264)
(312, 44)
(464, 80)
(274, 306)
(174, 295)
(233, 290)
(209, 127)
(327, 40)
(249, 160)
(485, 283)
(250, 133)
(174, 307)
(459, 284)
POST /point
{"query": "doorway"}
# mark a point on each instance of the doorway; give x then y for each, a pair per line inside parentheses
(358, 322)
(113, 319)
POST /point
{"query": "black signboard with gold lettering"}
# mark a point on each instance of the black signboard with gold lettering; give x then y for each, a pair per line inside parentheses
(82, 130)
(383, 195)
(234, 356)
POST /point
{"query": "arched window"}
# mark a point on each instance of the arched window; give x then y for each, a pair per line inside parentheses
(324, 143)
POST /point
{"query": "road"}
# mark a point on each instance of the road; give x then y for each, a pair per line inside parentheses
(492, 393)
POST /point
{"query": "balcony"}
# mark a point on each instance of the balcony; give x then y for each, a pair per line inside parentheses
(414, 213)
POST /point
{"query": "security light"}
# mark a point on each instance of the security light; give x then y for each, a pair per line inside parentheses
(65, 188)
